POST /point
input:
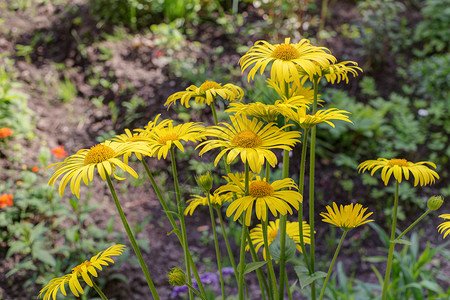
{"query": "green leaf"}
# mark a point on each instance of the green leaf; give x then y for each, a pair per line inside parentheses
(404, 242)
(432, 286)
(44, 256)
(289, 250)
(306, 279)
(250, 267)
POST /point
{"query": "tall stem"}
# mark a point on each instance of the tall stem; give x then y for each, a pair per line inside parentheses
(270, 270)
(181, 217)
(259, 273)
(243, 239)
(213, 109)
(216, 244)
(132, 239)
(332, 264)
(391, 245)
(413, 224)
(174, 224)
(300, 190)
(312, 160)
(98, 290)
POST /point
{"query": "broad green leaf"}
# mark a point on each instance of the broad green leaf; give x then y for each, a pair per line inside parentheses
(404, 242)
(306, 279)
(250, 267)
(275, 248)
(44, 256)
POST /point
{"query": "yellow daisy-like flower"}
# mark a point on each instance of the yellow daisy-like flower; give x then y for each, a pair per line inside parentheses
(276, 197)
(335, 73)
(250, 139)
(206, 93)
(162, 138)
(444, 227)
(422, 174)
(285, 59)
(307, 121)
(346, 217)
(266, 112)
(298, 95)
(195, 201)
(292, 230)
(83, 270)
(104, 157)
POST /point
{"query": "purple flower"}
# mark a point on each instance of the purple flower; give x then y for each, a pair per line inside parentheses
(227, 271)
(179, 290)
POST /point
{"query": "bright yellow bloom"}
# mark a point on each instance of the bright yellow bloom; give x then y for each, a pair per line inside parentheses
(346, 217)
(444, 227)
(336, 72)
(307, 121)
(193, 203)
(83, 270)
(266, 112)
(104, 157)
(298, 95)
(422, 174)
(292, 230)
(206, 93)
(276, 197)
(162, 138)
(285, 59)
(250, 139)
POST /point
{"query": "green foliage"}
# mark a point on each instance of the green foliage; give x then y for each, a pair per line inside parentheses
(434, 31)
(67, 91)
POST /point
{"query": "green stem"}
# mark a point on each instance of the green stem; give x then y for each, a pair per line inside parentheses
(216, 244)
(312, 160)
(213, 109)
(270, 270)
(98, 290)
(288, 288)
(332, 264)
(300, 190)
(174, 224)
(391, 245)
(261, 278)
(191, 288)
(132, 239)
(181, 217)
(413, 224)
(243, 240)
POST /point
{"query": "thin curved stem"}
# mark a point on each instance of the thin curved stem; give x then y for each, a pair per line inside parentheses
(98, 290)
(413, 224)
(191, 288)
(391, 245)
(132, 239)
(336, 253)
(259, 273)
(270, 270)
(243, 239)
(301, 183)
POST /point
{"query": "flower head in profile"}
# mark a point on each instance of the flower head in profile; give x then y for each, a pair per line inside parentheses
(196, 200)
(250, 139)
(59, 152)
(83, 271)
(162, 138)
(292, 230)
(307, 121)
(206, 93)
(444, 227)
(346, 217)
(285, 59)
(6, 200)
(266, 112)
(176, 277)
(401, 167)
(277, 197)
(104, 157)
(337, 72)
(5, 132)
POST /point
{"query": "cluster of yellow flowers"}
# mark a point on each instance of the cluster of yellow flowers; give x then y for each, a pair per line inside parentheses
(251, 136)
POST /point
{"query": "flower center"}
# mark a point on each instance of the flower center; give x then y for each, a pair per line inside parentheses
(169, 137)
(246, 139)
(398, 162)
(78, 268)
(271, 236)
(260, 189)
(207, 85)
(99, 153)
(285, 52)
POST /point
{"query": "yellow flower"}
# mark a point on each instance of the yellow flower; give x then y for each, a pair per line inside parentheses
(336, 72)
(444, 227)
(104, 157)
(206, 93)
(250, 139)
(307, 121)
(83, 270)
(346, 217)
(298, 95)
(266, 112)
(276, 197)
(162, 138)
(195, 201)
(285, 58)
(396, 166)
(176, 277)
(292, 230)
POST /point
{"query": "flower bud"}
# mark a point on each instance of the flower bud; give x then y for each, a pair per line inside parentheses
(435, 202)
(205, 182)
(176, 277)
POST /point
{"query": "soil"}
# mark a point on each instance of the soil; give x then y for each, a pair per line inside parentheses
(134, 62)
